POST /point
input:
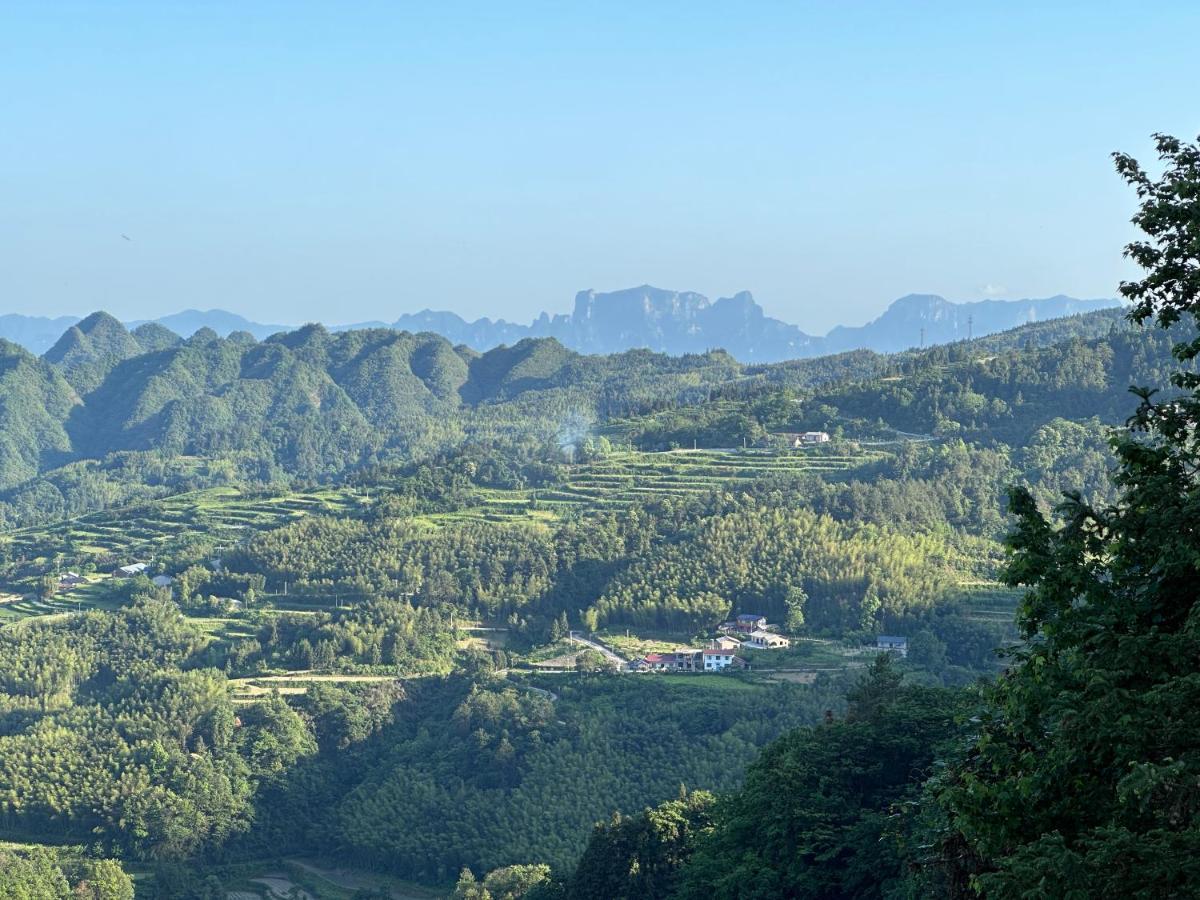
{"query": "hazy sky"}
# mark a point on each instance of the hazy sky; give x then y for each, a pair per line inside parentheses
(351, 161)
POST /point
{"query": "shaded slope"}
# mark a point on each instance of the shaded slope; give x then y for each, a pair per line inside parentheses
(35, 402)
(88, 350)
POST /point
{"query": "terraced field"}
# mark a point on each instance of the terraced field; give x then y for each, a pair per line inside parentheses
(96, 595)
(226, 516)
(992, 603)
(623, 477)
(140, 532)
(627, 476)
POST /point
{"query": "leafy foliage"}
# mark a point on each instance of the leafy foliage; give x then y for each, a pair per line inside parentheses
(39, 873)
(1082, 778)
(492, 775)
(816, 815)
(106, 731)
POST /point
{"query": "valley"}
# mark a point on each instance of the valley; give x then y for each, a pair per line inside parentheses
(380, 519)
(498, 581)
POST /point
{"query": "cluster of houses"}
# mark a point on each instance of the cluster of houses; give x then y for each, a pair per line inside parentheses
(746, 631)
(755, 632)
(713, 658)
(140, 569)
(68, 580)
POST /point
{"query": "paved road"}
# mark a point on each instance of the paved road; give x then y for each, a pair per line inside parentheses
(575, 638)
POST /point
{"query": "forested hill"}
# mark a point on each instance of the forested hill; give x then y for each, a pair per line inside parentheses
(312, 404)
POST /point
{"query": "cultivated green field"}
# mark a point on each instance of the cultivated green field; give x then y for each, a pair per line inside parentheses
(138, 533)
(625, 476)
(223, 517)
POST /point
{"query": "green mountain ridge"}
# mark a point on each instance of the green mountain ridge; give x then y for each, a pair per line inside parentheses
(314, 404)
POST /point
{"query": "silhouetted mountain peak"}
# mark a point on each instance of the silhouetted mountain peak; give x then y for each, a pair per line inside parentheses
(220, 321)
(919, 302)
(917, 319)
(654, 318)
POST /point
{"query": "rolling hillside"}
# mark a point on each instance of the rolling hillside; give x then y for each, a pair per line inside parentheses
(108, 415)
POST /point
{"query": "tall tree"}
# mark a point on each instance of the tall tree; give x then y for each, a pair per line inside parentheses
(1084, 777)
(640, 856)
(817, 816)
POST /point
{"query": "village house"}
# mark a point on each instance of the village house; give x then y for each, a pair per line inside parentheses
(716, 659)
(684, 659)
(71, 579)
(805, 439)
(749, 622)
(725, 642)
(688, 659)
(766, 640)
(891, 643)
(129, 571)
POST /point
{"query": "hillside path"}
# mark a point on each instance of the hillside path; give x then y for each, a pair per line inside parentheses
(576, 638)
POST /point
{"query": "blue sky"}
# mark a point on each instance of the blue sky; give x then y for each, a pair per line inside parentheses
(343, 162)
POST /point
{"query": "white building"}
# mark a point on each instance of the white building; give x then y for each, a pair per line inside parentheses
(716, 660)
(766, 640)
(891, 643)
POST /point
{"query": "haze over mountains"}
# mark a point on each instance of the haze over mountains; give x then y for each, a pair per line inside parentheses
(661, 320)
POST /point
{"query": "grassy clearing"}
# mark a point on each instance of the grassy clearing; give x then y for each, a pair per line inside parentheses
(727, 682)
(635, 646)
(255, 687)
(343, 883)
(549, 651)
(801, 655)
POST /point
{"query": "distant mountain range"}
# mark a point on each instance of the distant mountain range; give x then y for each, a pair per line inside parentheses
(661, 320)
